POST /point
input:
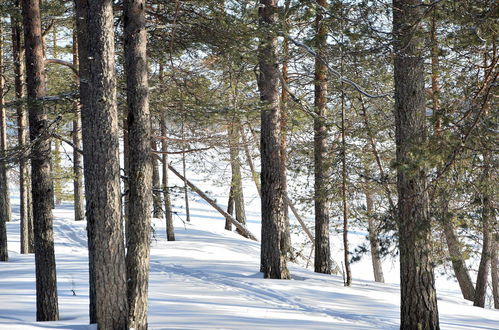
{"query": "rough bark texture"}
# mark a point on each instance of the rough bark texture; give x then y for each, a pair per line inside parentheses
(418, 296)
(230, 210)
(273, 254)
(108, 299)
(4, 186)
(322, 260)
(236, 181)
(454, 248)
(77, 157)
(494, 269)
(140, 162)
(170, 232)
(488, 211)
(373, 237)
(22, 135)
(41, 185)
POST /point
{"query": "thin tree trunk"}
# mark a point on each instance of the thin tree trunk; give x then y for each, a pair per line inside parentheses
(230, 209)
(249, 159)
(170, 232)
(156, 186)
(373, 236)
(284, 122)
(141, 166)
(273, 255)
(322, 260)
(487, 241)
(236, 181)
(46, 284)
(494, 269)
(456, 256)
(4, 188)
(22, 137)
(184, 169)
(108, 285)
(419, 308)
(77, 157)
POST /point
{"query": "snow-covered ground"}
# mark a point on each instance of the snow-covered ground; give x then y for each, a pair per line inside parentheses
(209, 279)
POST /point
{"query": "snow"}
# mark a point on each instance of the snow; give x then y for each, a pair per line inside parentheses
(209, 279)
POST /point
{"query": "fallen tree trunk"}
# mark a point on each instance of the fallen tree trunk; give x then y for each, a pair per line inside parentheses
(242, 228)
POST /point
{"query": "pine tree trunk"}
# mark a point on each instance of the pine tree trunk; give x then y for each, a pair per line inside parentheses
(41, 187)
(322, 260)
(373, 237)
(419, 308)
(487, 222)
(78, 197)
(456, 256)
(170, 232)
(22, 137)
(156, 186)
(230, 210)
(141, 166)
(4, 185)
(108, 299)
(273, 254)
(494, 269)
(236, 182)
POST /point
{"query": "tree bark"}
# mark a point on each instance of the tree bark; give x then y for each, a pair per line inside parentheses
(236, 181)
(170, 232)
(487, 240)
(156, 185)
(230, 210)
(454, 247)
(419, 308)
(273, 255)
(108, 295)
(77, 157)
(4, 184)
(494, 269)
(322, 260)
(41, 185)
(22, 136)
(373, 236)
(141, 166)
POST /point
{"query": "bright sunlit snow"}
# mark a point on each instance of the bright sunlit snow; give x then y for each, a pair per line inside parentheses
(209, 278)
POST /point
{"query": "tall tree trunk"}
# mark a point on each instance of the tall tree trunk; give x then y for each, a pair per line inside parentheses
(108, 295)
(284, 145)
(22, 136)
(454, 247)
(344, 191)
(236, 182)
(77, 157)
(41, 187)
(494, 269)
(141, 166)
(4, 184)
(419, 308)
(273, 255)
(170, 232)
(249, 159)
(487, 222)
(156, 186)
(322, 260)
(373, 236)
(230, 209)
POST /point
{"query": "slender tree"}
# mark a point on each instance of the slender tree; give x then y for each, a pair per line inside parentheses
(170, 232)
(107, 271)
(322, 260)
(140, 162)
(418, 296)
(273, 250)
(41, 183)
(4, 189)
(79, 211)
(26, 227)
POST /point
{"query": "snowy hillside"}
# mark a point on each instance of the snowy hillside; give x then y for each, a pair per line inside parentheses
(209, 278)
